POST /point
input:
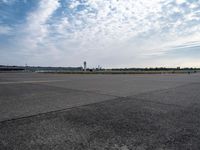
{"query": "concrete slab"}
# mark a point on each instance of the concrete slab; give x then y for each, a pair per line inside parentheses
(25, 94)
(20, 100)
(121, 123)
(150, 112)
(118, 85)
(185, 95)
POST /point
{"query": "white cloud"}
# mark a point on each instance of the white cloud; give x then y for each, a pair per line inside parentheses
(109, 31)
(117, 30)
(105, 23)
(109, 22)
(74, 4)
(180, 1)
(36, 28)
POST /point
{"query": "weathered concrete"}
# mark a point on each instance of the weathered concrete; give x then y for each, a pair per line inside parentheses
(25, 94)
(124, 112)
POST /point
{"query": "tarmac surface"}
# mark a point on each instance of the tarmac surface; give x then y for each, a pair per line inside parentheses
(158, 111)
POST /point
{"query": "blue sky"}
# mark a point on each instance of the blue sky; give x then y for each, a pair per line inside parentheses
(109, 33)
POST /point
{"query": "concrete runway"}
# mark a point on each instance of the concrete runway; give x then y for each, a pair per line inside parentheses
(27, 94)
(115, 112)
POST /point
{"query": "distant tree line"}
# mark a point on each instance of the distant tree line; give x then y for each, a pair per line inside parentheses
(63, 69)
(38, 68)
(153, 69)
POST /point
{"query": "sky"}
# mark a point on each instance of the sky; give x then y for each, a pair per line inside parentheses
(109, 33)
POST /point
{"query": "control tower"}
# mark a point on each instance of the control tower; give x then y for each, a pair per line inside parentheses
(85, 65)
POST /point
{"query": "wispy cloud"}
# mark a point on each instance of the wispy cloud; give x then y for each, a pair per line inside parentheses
(36, 26)
(7, 1)
(5, 30)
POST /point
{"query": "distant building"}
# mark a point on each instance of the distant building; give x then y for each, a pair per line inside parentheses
(85, 65)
